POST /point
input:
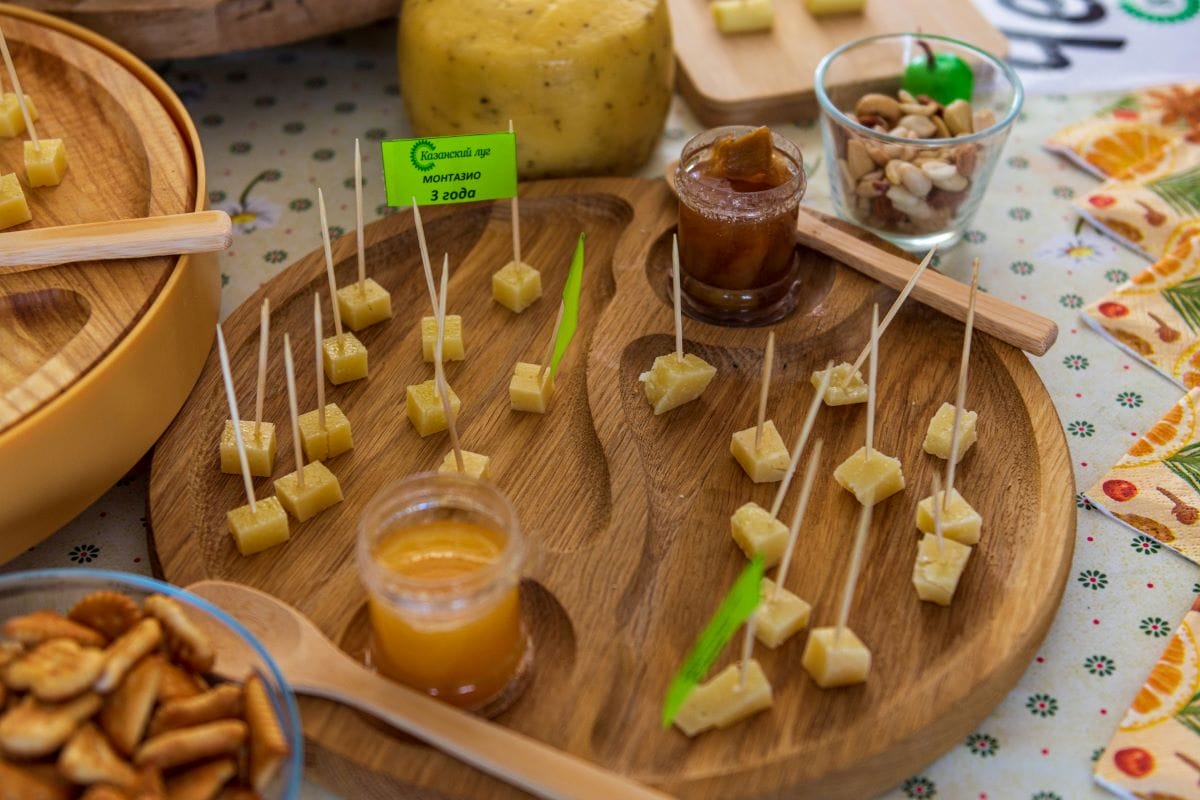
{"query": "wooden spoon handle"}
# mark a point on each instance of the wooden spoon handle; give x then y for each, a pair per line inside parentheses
(197, 232)
(512, 757)
(1031, 332)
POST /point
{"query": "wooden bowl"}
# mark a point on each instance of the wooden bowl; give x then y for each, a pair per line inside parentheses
(95, 359)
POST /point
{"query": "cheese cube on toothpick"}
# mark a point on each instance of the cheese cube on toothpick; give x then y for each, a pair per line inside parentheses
(364, 303)
(760, 449)
(941, 426)
(532, 385)
(312, 488)
(14, 209)
(443, 391)
(12, 123)
(45, 159)
(344, 356)
(959, 521)
(325, 430)
(731, 695)
(846, 384)
(453, 348)
(424, 407)
(835, 656)
(257, 436)
(516, 285)
(474, 464)
(871, 476)
(940, 560)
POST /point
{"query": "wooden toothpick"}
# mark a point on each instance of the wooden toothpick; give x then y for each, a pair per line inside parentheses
(337, 316)
(802, 440)
(747, 649)
(960, 398)
(433, 301)
(871, 382)
(439, 373)
(516, 218)
(860, 540)
(290, 371)
(676, 298)
(320, 364)
(562, 306)
(937, 511)
(891, 313)
(768, 360)
(810, 473)
(16, 82)
(358, 219)
(264, 333)
(223, 356)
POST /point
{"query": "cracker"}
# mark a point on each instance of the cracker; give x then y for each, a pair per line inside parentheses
(20, 782)
(56, 670)
(224, 701)
(40, 626)
(127, 710)
(126, 651)
(99, 791)
(32, 729)
(185, 745)
(88, 758)
(268, 745)
(203, 781)
(177, 682)
(187, 642)
(111, 613)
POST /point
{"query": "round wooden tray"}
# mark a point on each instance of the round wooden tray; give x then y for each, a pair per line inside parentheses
(628, 513)
(95, 359)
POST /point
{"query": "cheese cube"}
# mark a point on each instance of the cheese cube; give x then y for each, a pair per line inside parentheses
(722, 701)
(779, 615)
(756, 531)
(12, 122)
(937, 569)
(425, 407)
(45, 162)
(870, 479)
(846, 385)
(474, 464)
(742, 16)
(254, 532)
(671, 382)
(320, 491)
(260, 449)
(937, 438)
(769, 462)
(524, 391)
(960, 522)
(13, 208)
(362, 305)
(820, 7)
(344, 361)
(835, 661)
(452, 341)
(516, 285)
(323, 444)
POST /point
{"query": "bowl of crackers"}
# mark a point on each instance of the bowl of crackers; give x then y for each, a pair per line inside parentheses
(109, 690)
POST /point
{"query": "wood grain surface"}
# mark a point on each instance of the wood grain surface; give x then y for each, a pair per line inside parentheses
(757, 78)
(628, 514)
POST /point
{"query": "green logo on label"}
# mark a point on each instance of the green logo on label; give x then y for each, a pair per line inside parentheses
(420, 155)
(1167, 11)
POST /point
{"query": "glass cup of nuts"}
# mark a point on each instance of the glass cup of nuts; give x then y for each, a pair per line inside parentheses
(913, 125)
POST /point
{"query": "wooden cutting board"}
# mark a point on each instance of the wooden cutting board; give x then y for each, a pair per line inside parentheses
(94, 358)
(759, 78)
(628, 514)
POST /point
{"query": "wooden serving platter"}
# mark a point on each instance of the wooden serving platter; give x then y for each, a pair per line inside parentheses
(628, 514)
(94, 358)
(758, 78)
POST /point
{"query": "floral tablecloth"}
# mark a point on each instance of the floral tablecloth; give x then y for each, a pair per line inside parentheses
(278, 123)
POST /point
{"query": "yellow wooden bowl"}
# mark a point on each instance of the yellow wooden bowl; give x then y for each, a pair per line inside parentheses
(95, 359)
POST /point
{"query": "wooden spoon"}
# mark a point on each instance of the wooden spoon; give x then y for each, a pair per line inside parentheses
(1031, 332)
(197, 232)
(316, 666)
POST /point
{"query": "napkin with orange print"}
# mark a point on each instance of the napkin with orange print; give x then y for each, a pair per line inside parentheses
(1155, 753)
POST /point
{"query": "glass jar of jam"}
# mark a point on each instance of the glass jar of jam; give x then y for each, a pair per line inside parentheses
(440, 556)
(739, 198)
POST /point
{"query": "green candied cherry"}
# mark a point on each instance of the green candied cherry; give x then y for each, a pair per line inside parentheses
(943, 76)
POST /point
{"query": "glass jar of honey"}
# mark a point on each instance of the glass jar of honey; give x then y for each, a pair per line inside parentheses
(440, 556)
(739, 198)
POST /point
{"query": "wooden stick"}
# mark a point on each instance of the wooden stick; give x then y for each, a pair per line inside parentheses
(16, 82)
(337, 315)
(562, 306)
(802, 440)
(171, 234)
(871, 382)
(891, 313)
(516, 218)
(439, 373)
(961, 396)
(747, 649)
(810, 473)
(290, 370)
(320, 364)
(860, 540)
(937, 511)
(433, 301)
(223, 356)
(264, 333)
(678, 308)
(358, 218)
(768, 360)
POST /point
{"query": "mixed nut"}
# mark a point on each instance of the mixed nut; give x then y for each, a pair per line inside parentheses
(910, 188)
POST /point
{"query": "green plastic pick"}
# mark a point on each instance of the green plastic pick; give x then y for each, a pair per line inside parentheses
(734, 610)
(572, 292)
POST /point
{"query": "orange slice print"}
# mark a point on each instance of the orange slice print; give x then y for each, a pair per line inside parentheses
(1170, 686)
(1127, 152)
(1168, 435)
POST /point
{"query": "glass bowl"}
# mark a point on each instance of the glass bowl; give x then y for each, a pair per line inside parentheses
(936, 203)
(59, 589)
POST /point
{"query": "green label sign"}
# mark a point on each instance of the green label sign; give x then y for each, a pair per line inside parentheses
(450, 169)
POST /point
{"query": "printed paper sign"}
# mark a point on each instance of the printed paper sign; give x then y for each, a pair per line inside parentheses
(450, 169)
